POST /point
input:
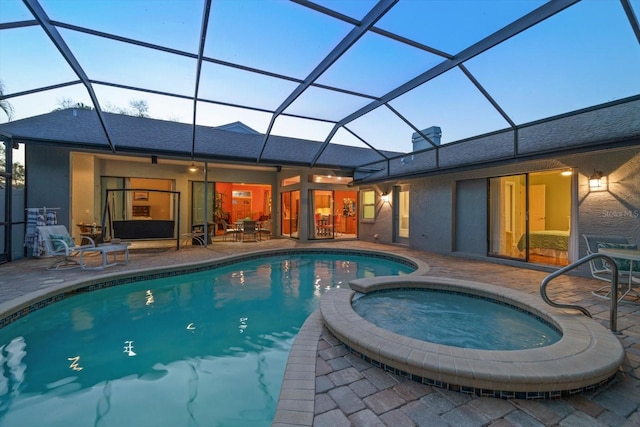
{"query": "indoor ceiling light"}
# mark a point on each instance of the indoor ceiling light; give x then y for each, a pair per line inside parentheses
(567, 172)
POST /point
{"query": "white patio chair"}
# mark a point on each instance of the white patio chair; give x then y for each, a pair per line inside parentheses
(57, 242)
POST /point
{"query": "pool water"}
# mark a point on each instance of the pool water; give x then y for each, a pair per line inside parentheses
(204, 349)
(455, 319)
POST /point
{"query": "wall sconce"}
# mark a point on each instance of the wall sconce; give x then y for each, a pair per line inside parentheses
(596, 181)
(193, 167)
(385, 197)
(154, 160)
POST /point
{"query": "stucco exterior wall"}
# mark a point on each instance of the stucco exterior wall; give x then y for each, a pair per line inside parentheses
(48, 180)
(448, 213)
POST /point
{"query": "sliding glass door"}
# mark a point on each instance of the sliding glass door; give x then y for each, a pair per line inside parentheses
(530, 216)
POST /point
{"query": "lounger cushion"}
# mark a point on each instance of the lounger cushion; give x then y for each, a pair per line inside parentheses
(623, 264)
(58, 245)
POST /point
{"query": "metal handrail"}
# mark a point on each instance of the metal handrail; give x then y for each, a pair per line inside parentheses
(613, 317)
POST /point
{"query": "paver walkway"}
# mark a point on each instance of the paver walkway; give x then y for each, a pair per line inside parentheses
(350, 392)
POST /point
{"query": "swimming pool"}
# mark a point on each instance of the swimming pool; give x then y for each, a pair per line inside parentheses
(205, 348)
(586, 356)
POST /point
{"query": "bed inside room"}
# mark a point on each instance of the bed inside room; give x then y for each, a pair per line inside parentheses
(549, 246)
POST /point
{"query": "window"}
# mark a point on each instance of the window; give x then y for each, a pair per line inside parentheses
(291, 180)
(368, 205)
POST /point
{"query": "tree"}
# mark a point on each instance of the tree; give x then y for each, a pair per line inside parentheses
(18, 169)
(67, 103)
(139, 108)
(4, 104)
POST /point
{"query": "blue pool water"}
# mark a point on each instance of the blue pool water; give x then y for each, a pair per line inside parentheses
(455, 319)
(204, 349)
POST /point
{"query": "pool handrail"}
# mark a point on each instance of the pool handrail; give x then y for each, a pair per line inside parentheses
(613, 311)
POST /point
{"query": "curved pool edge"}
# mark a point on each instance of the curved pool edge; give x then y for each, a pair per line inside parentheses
(27, 303)
(586, 357)
(296, 404)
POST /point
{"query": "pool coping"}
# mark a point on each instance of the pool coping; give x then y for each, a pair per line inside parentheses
(587, 356)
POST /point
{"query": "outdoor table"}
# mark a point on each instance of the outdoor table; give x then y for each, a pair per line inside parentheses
(632, 255)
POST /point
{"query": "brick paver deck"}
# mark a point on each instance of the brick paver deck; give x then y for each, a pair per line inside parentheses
(325, 385)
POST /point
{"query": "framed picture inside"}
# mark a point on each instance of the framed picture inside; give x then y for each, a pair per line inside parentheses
(140, 195)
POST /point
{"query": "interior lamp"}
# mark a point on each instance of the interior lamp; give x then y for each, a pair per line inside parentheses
(595, 182)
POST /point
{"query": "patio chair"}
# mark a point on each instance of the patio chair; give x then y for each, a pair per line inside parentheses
(57, 242)
(249, 229)
(600, 268)
(264, 228)
(230, 231)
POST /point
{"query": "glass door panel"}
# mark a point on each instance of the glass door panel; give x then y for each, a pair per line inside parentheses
(403, 214)
(290, 202)
(322, 226)
(507, 216)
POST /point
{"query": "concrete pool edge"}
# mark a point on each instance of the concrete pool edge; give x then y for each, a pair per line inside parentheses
(13, 310)
(587, 356)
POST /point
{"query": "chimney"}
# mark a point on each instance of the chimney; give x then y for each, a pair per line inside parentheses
(434, 133)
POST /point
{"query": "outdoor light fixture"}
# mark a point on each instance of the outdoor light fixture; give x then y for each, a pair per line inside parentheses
(193, 167)
(595, 182)
(385, 197)
(154, 160)
(567, 172)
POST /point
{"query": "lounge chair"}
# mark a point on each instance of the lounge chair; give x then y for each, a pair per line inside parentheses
(601, 270)
(57, 242)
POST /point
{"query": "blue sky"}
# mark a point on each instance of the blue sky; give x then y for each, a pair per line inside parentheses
(583, 56)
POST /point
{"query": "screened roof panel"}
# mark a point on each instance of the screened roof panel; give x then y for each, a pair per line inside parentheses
(356, 9)
(451, 26)
(209, 114)
(363, 69)
(326, 104)
(549, 70)
(127, 64)
(273, 35)
(308, 66)
(46, 101)
(118, 100)
(244, 88)
(14, 10)
(167, 23)
(453, 103)
(301, 128)
(344, 137)
(43, 67)
(393, 135)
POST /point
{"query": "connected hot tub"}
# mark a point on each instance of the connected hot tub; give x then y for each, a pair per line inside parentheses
(584, 357)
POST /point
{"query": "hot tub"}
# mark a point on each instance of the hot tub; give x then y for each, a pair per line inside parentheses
(586, 356)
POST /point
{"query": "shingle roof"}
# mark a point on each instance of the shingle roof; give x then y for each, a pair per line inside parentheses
(81, 128)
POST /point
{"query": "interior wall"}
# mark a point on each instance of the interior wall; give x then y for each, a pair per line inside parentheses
(159, 203)
(557, 198)
(83, 208)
